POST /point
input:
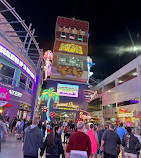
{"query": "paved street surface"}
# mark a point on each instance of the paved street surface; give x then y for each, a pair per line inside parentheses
(12, 148)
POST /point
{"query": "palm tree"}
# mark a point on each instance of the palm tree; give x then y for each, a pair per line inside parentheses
(49, 94)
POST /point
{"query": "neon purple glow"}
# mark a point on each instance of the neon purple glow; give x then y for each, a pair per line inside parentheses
(16, 60)
(134, 101)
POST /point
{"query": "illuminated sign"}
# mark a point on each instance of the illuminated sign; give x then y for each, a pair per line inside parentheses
(69, 70)
(70, 61)
(48, 56)
(134, 101)
(17, 61)
(70, 47)
(4, 96)
(81, 115)
(67, 90)
(122, 110)
(15, 93)
(130, 114)
(66, 106)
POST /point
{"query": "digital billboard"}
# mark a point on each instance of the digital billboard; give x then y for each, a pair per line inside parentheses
(69, 67)
(67, 90)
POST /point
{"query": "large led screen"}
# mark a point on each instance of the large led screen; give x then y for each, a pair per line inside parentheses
(67, 90)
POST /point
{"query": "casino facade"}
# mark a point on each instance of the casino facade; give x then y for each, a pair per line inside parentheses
(69, 72)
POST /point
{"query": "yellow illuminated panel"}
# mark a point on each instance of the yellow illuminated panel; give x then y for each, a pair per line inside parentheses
(70, 47)
(69, 70)
(67, 106)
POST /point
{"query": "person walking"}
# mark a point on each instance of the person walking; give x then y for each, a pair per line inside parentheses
(131, 144)
(109, 143)
(94, 140)
(2, 129)
(33, 140)
(44, 127)
(20, 130)
(13, 124)
(79, 145)
(121, 131)
(86, 128)
(100, 134)
(65, 135)
(53, 144)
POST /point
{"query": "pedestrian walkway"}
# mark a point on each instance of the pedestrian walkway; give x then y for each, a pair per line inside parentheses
(12, 148)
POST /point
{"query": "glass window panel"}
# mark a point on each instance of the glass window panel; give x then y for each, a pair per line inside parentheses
(23, 78)
(6, 70)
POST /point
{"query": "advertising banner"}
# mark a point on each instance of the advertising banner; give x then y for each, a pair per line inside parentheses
(4, 96)
(67, 90)
(69, 67)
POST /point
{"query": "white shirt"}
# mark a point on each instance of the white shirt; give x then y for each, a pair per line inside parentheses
(18, 123)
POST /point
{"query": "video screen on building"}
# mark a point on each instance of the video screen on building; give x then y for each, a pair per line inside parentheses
(67, 90)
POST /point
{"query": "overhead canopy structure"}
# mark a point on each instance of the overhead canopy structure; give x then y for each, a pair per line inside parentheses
(18, 34)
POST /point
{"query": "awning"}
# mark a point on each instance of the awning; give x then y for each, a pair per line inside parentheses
(138, 115)
(8, 105)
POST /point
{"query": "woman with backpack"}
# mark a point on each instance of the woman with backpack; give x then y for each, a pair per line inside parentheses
(53, 144)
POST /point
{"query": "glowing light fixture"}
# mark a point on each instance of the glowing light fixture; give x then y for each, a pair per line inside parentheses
(49, 94)
(135, 48)
(4, 51)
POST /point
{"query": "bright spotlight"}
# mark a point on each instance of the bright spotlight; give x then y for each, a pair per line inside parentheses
(135, 48)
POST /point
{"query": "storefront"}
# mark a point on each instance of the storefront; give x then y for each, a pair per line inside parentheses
(19, 103)
(71, 99)
(128, 118)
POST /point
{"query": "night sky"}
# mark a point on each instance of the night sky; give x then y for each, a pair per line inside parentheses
(111, 22)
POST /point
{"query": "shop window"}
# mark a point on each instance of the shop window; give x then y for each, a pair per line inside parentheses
(30, 84)
(63, 35)
(80, 38)
(22, 83)
(23, 78)
(6, 73)
(6, 70)
(72, 37)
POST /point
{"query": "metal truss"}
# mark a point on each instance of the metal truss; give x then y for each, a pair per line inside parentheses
(29, 46)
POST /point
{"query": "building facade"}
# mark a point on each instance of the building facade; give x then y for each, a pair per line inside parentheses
(121, 94)
(20, 74)
(69, 72)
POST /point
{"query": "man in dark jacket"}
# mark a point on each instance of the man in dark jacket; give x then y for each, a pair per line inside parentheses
(33, 140)
(131, 144)
(109, 143)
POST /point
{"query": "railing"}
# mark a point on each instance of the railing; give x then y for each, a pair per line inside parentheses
(7, 80)
(24, 87)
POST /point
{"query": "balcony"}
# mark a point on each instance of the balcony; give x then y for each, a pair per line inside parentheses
(8, 80)
(24, 87)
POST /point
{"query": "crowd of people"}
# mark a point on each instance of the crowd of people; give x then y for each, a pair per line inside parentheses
(82, 140)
